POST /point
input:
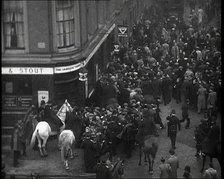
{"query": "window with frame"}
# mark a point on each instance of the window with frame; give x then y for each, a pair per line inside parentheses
(65, 23)
(13, 24)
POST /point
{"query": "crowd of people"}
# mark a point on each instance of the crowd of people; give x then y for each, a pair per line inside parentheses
(163, 60)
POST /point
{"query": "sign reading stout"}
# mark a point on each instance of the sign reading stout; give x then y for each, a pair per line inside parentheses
(27, 71)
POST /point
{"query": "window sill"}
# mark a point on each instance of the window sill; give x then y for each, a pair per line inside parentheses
(68, 49)
(14, 51)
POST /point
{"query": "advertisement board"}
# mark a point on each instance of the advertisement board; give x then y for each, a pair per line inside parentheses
(43, 95)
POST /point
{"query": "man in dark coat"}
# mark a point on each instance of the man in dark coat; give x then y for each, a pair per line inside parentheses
(123, 95)
(177, 90)
(17, 143)
(185, 115)
(172, 127)
(193, 97)
(212, 139)
(90, 154)
(103, 170)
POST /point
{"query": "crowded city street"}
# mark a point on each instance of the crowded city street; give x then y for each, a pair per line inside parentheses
(154, 112)
(51, 167)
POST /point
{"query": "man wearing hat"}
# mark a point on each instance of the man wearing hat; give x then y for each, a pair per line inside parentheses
(187, 172)
(165, 169)
(210, 172)
(90, 154)
(172, 127)
(185, 115)
(174, 163)
(103, 169)
(211, 101)
(17, 142)
(201, 98)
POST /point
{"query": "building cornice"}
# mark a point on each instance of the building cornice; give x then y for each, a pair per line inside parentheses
(63, 64)
(56, 58)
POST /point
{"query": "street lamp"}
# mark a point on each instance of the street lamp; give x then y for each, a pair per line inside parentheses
(83, 72)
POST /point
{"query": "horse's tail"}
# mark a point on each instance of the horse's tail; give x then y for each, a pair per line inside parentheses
(33, 139)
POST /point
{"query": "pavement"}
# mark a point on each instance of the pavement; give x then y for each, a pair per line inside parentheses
(185, 150)
(52, 165)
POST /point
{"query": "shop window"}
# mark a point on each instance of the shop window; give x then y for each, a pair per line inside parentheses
(8, 87)
(13, 24)
(19, 85)
(65, 23)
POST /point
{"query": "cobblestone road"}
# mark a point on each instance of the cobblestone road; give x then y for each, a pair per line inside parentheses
(185, 151)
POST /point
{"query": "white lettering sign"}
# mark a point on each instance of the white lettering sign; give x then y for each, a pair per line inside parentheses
(27, 71)
(43, 95)
(41, 45)
(66, 69)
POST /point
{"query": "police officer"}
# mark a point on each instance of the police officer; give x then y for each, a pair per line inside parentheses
(172, 127)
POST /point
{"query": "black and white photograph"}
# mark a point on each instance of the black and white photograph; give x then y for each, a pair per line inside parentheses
(111, 89)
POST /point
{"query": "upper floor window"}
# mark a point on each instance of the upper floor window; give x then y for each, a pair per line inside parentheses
(13, 24)
(65, 23)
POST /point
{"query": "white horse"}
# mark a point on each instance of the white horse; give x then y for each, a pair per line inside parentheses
(66, 139)
(43, 129)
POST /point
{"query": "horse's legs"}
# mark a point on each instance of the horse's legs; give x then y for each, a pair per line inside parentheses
(39, 145)
(140, 155)
(203, 162)
(145, 156)
(150, 165)
(65, 161)
(71, 153)
(43, 146)
(62, 154)
(61, 129)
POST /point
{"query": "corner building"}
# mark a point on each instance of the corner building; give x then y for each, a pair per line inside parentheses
(46, 43)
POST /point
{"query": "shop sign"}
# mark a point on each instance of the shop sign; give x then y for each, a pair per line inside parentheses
(43, 95)
(17, 101)
(9, 101)
(26, 71)
(66, 69)
(24, 101)
(122, 31)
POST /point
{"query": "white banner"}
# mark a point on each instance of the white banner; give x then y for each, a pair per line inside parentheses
(27, 71)
(43, 95)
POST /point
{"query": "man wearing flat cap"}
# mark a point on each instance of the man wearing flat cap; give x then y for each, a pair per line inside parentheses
(165, 169)
(174, 163)
(103, 169)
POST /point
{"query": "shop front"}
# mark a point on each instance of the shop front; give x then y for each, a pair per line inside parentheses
(20, 86)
